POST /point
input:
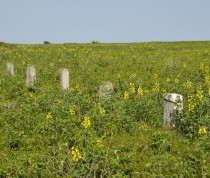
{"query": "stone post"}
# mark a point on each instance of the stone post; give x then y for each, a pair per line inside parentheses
(64, 79)
(30, 76)
(173, 106)
(10, 69)
(105, 90)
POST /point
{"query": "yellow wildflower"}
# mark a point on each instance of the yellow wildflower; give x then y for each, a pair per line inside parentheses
(99, 143)
(72, 112)
(155, 76)
(168, 79)
(146, 91)
(31, 95)
(202, 66)
(191, 107)
(140, 91)
(189, 84)
(48, 116)
(202, 130)
(118, 76)
(126, 95)
(72, 89)
(199, 94)
(207, 80)
(86, 122)
(156, 87)
(132, 88)
(164, 93)
(75, 154)
(102, 111)
(189, 98)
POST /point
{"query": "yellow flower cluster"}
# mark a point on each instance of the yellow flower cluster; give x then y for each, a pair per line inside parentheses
(86, 122)
(140, 91)
(188, 84)
(72, 112)
(156, 87)
(48, 116)
(146, 91)
(155, 76)
(31, 95)
(202, 67)
(164, 92)
(126, 95)
(207, 80)
(118, 76)
(189, 98)
(202, 130)
(102, 111)
(199, 94)
(132, 88)
(75, 154)
(99, 143)
(168, 79)
(191, 107)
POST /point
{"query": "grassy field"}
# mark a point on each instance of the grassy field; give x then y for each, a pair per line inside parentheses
(46, 132)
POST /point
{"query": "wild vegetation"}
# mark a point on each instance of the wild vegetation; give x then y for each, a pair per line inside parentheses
(46, 132)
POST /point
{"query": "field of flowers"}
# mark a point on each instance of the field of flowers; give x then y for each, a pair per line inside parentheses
(47, 132)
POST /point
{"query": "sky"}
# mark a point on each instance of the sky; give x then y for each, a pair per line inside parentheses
(106, 21)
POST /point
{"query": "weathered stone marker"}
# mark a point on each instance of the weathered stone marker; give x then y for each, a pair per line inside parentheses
(10, 69)
(105, 90)
(173, 105)
(64, 79)
(30, 76)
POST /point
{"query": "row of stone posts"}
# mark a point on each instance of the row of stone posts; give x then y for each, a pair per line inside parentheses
(31, 76)
(173, 103)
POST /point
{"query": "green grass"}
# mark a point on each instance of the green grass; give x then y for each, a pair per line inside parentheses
(39, 135)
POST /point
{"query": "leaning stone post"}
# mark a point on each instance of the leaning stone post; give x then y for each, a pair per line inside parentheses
(64, 79)
(105, 90)
(10, 69)
(173, 105)
(30, 76)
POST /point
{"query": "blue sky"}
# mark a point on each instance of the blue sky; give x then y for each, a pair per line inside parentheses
(82, 21)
